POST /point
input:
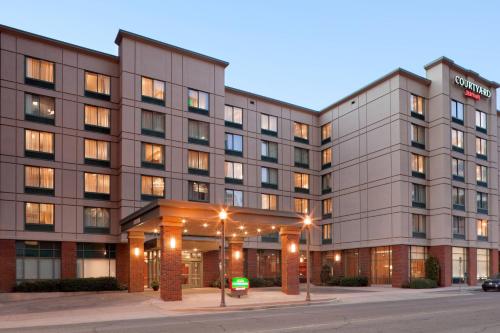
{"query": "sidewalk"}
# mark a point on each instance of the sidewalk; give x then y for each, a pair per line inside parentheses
(24, 310)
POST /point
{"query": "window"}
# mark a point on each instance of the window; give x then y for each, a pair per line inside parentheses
(483, 264)
(269, 124)
(301, 132)
(39, 216)
(459, 264)
(97, 186)
(153, 155)
(326, 133)
(198, 191)
(481, 121)
(269, 201)
(457, 169)
(39, 108)
(269, 151)
(97, 152)
(418, 256)
(152, 187)
(457, 140)
(95, 260)
(96, 220)
(198, 162)
(198, 101)
(481, 175)
(482, 202)
(417, 106)
(301, 157)
(301, 205)
(457, 112)
(481, 151)
(418, 136)
(40, 73)
(97, 85)
(326, 233)
(233, 198)
(233, 116)
(301, 182)
(482, 230)
(269, 177)
(38, 180)
(326, 183)
(233, 172)
(39, 144)
(458, 198)
(418, 225)
(327, 208)
(153, 91)
(326, 158)
(97, 119)
(234, 144)
(418, 196)
(38, 260)
(418, 166)
(153, 123)
(198, 132)
(458, 227)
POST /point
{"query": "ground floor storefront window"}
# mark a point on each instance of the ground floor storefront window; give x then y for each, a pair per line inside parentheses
(418, 255)
(381, 265)
(351, 263)
(268, 264)
(95, 260)
(459, 263)
(37, 260)
(483, 264)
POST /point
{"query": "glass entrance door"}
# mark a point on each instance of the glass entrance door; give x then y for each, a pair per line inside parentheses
(191, 269)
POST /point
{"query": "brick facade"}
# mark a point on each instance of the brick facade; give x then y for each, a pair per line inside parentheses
(471, 266)
(443, 255)
(235, 258)
(251, 263)
(8, 260)
(290, 260)
(171, 262)
(338, 265)
(68, 260)
(136, 262)
(494, 262)
(400, 262)
(316, 264)
(122, 263)
(210, 267)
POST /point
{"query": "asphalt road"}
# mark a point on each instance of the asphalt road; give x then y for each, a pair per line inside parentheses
(476, 312)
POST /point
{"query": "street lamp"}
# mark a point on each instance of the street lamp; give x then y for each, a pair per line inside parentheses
(307, 224)
(222, 218)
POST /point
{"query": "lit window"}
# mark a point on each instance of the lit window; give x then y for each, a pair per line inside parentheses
(152, 89)
(197, 160)
(97, 150)
(36, 178)
(269, 201)
(39, 213)
(152, 187)
(301, 205)
(97, 83)
(326, 233)
(198, 100)
(417, 106)
(418, 256)
(481, 175)
(39, 144)
(40, 70)
(481, 150)
(300, 131)
(233, 115)
(97, 183)
(482, 229)
(301, 181)
(198, 191)
(417, 136)
(417, 165)
(268, 124)
(457, 140)
(152, 155)
(96, 117)
(326, 133)
(327, 207)
(233, 170)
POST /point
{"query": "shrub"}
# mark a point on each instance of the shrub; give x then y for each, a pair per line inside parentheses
(155, 285)
(216, 284)
(66, 285)
(432, 268)
(421, 283)
(260, 282)
(357, 281)
(325, 274)
(334, 281)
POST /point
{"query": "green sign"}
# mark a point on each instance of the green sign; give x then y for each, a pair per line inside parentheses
(239, 283)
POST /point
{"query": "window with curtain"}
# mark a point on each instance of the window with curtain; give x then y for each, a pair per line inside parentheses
(301, 181)
(36, 106)
(326, 133)
(198, 191)
(457, 112)
(152, 155)
(458, 225)
(233, 170)
(97, 183)
(418, 165)
(198, 132)
(268, 124)
(326, 157)
(97, 117)
(481, 121)
(153, 123)
(97, 150)
(39, 142)
(326, 183)
(418, 256)
(418, 225)
(36, 178)
(198, 100)
(39, 216)
(38, 260)
(301, 157)
(481, 175)
(458, 198)
(233, 198)
(151, 88)
(457, 140)
(417, 136)
(198, 160)
(482, 202)
(152, 186)
(300, 131)
(481, 150)
(418, 195)
(233, 115)
(417, 106)
(482, 229)
(96, 219)
(95, 260)
(269, 151)
(269, 177)
(97, 83)
(301, 205)
(41, 70)
(326, 233)
(458, 169)
(269, 201)
(233, 144)
(327, 208)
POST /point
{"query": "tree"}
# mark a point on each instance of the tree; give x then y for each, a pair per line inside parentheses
(325, 274)
(432, 268)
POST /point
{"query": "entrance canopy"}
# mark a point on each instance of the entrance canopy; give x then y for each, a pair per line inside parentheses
(202, 219)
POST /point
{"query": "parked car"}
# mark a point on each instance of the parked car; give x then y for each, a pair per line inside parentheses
(492, 283)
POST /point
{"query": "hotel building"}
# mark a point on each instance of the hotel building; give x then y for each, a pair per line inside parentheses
(105, 158)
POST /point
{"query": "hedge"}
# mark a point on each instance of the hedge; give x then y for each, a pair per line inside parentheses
(421, 283)
(358, 281)
(66, 285)
(253, 282)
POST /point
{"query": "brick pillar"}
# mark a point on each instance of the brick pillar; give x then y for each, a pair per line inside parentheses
(68, 260)
(122, 263)
(400, 269)
(235, 258)
(136, 261)
(8, 262)
(251, 263)
(290, 260)
(443, 255)
(171, 261)
(338, 264)
(493, 262)
(471, 266)
(316, 264)
(365, 263)
(210, 267)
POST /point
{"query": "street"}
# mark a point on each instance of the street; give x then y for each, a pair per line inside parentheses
(472, 312)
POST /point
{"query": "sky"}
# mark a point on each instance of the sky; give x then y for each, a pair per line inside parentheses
(310, 53)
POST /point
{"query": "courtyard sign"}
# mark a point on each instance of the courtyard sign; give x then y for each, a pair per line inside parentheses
(239, 283)
(472, 90)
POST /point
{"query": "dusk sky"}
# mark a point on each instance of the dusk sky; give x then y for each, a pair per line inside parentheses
(309, 53)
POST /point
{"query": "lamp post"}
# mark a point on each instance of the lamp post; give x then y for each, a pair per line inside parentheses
(222, 218)
(307, 224)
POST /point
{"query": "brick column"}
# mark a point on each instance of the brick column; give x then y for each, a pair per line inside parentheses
(290, 260)
(493, 262)
(171, 261)
(316, 265)
(400, 262)
(443, 255)
(68, 260)
(365, 263)
(471, 266)
(235, 258)
(122, 263)
(136, 261)
(210, 267)
(8, 262)
(251, 263)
